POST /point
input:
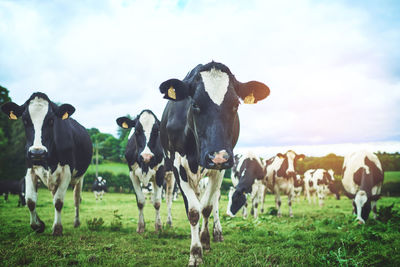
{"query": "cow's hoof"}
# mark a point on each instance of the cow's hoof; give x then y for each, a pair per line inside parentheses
(262, 211)
(196, 257)
(38, 228)
(158, 227)
(77, 223)
(169, 223)
(140, 228)
(218, 237)
(57, 230)
(279, 215)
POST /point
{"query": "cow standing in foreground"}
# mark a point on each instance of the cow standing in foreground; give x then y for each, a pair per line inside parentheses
(362, 182)
(58, 152)
(14, 187)
(99, 187)
(318, 183)
(251, 173)
(145, 159)
(281, 177)
(199, 129)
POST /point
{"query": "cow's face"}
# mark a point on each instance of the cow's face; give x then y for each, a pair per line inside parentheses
(39, 116)
(237, 200)
(147, 135)
(213, 94)
(288, 164)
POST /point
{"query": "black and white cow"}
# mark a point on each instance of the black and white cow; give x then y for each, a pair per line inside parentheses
(318, 183)
(362, 182)
(145, 158)
(58, 151)
(199, 129)
(14, 187)
(281, 177)
(251, 175)
(299, 187)
(99, 187)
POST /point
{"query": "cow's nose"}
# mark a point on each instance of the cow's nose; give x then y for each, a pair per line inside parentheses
(147, 157)
(218, 160)
(37, 154)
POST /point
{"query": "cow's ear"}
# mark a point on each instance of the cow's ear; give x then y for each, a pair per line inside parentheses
(12, 110)
(126, 123)
(374, 198)
(174, 90)
(280, 155)
(252, 92)
(349, 195)
(65, 111)
(300, 157)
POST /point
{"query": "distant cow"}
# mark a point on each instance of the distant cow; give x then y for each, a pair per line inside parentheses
(199, 129)
(299, 187)
(318, 183)
(362, 182)
(145, 159)
(58, 151)
(99, 187)
(251, 175)
(14, 187)
(281, 177)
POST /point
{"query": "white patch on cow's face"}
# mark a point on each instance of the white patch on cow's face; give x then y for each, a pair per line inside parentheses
(291, 156)
(38, 108)
(215, 84)
(147, 121)
(360, 200)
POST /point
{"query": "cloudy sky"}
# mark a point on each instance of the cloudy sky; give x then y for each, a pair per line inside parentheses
(333, 67)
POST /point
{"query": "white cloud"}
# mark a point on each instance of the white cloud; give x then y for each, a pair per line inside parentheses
(328, 72)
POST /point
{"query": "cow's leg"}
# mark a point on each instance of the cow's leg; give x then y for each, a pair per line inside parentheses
(77, 200)
(58, 198)
(31, 199)
(140, 199)
(308, 196)
(254, 199)
(192, 205)
(263, 199)
(157, 203)
(244, 212)
(170, 181)
(217, 228)
(373, 206)
(278, 202)
(209, 199)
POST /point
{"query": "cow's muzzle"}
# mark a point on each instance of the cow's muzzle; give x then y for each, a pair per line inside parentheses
(218, 160)
(147, 157)
(37, 155)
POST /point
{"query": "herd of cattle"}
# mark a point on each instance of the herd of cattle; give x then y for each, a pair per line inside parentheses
(195, 138)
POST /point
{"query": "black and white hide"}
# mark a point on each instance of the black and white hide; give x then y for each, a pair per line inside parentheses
(199, 129)
(281, 177)
(251, 176)
(99, 187)
(58, 152)
(15, 187)
(362, 182)
(317, 183)
(145, 159)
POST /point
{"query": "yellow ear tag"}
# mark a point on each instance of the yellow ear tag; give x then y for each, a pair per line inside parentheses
(250, 99)
(300, 159)
(125, 125)
(12, 115)
(65, 116)
(172, 93)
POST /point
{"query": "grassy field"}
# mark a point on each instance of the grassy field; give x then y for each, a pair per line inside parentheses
(315, 236)
(392, 177)
(114, 167)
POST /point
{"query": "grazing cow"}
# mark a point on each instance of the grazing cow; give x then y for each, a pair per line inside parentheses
(235, 169)
(318, 182)
(199, 129)
(14, 187)
(281, 177)
(99, 187)
(58, 151)
(362, 182)
(251, 175)
(145, 159)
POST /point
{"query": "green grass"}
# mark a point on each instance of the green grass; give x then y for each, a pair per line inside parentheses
(392, 177)
(314, 237)
(114, 167)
